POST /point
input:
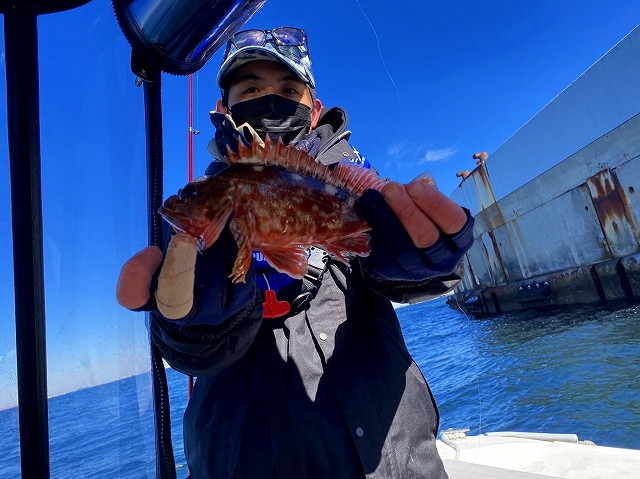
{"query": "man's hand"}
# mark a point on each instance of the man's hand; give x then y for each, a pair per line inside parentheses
(424, 211)
(417, 233)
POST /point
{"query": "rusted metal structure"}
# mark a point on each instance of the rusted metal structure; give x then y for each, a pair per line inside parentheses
(557, 206)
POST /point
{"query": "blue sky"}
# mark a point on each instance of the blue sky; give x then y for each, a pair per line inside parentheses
(425, 84)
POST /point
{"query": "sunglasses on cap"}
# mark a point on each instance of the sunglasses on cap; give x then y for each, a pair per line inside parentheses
(283, 36)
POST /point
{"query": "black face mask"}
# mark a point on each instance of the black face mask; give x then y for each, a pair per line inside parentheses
(276, 115)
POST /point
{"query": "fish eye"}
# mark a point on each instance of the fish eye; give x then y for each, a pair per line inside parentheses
(188, 191)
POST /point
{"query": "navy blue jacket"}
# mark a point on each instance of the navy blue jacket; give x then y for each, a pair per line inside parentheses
(340, 369)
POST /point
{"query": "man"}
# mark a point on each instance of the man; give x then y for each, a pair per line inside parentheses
(327, 389)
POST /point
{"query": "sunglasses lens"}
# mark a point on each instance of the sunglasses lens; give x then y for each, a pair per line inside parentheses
(289, 36)
(249, 38)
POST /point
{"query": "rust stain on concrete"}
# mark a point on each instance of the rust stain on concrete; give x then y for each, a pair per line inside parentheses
(611, 204)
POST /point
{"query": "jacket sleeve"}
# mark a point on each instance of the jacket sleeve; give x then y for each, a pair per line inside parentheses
(223, 321)
(395, 268)
(409, 292)
(399, 271)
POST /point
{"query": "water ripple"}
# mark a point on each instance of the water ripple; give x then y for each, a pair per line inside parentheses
(573, 371)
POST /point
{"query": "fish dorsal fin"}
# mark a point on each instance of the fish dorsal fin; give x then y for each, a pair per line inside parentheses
(277, 154)
(352, 178)
(355, 179)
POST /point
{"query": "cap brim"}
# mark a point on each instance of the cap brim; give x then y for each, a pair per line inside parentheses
(250, 54)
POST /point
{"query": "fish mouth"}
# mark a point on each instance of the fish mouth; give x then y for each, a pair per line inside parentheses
(179, 221)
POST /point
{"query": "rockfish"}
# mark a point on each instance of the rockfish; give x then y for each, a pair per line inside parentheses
(279, 201)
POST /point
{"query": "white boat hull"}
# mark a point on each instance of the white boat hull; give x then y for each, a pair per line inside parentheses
(530, 456)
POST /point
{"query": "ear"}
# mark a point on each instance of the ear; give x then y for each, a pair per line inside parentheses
(220, 108)
(315, 113)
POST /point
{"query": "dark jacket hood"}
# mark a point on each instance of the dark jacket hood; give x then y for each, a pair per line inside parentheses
(332, 124)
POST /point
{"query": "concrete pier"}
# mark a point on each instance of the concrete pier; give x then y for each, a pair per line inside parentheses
(557, 206)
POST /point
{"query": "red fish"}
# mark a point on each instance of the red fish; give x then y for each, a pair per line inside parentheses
(278, 201)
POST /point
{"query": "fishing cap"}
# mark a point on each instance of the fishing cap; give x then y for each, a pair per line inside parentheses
(287, 45)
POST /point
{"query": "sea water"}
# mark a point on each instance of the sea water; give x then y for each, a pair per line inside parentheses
(570, 372)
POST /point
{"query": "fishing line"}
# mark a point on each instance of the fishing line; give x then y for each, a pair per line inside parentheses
(197, 130)
(198, 101)
(379, 49)
(477, 380)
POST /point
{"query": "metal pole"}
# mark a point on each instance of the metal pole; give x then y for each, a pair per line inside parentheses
(165, 462)
(21, 49)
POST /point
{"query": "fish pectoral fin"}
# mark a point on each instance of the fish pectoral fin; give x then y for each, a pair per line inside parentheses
(242, 229)
(215, 227)
(358, 244)
(291, 260)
